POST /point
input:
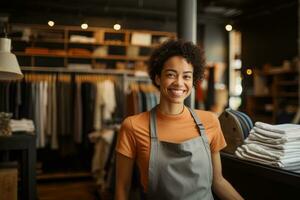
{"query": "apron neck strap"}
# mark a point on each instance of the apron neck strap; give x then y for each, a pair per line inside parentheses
(197, 120)
(153, 123)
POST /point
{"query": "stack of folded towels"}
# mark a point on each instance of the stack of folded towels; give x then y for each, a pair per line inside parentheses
(275, 145)
(22, 125)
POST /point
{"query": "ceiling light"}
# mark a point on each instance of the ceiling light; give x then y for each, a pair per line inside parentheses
(228, 27)
(51, 23)
(9, 66)
(117, 27)
(249, 72)
(84, 25)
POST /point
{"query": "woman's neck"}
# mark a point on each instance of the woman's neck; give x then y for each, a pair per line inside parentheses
(170, 109)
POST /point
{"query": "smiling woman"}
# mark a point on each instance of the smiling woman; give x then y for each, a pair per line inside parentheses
(175, 148)
(175, 84)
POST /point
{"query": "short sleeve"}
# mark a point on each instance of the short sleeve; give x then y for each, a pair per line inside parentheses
(217, 141)
(126, 143)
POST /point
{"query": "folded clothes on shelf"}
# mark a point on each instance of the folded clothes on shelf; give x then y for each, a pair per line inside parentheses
(274, 145)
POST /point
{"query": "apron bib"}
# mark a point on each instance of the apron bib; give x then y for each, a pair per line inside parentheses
(179, 171)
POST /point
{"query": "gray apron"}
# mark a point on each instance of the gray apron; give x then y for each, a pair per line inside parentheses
(179, 171)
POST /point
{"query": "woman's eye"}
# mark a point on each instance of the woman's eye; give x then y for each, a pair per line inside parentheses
(171, 75)
(187, 77)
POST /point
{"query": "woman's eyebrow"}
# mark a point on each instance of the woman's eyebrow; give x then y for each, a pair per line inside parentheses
(172, 70)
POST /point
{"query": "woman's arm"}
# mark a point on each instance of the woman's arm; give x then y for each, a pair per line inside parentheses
(124, 167)
(221, 187)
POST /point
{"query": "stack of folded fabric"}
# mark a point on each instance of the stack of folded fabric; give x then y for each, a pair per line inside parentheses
(25, 125)
(275, 145)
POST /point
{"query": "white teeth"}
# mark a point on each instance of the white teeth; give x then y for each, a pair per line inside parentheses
(176, 92)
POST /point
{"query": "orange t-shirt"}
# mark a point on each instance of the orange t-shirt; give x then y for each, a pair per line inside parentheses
(134, 137)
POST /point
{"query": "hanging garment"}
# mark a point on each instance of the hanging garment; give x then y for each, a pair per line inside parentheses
(179, 171)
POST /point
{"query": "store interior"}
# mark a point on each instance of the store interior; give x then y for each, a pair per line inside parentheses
(85, 62)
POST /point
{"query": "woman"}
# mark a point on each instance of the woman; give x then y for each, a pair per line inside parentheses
(175, 148)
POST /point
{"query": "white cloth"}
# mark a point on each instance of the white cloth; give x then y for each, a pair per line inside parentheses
(98, 107)
(263, 138)
(22, 125)
(280, 128)
(292, 164)
(274, 145)
(295, 145)
(109, 99)
(272, 134)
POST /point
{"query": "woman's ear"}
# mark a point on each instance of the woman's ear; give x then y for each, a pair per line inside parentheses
(157, 80)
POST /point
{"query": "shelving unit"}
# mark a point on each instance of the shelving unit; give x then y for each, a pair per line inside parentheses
(95, 47)
(281, 95)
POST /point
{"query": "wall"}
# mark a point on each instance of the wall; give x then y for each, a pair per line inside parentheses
(215, 42)
(270, 37)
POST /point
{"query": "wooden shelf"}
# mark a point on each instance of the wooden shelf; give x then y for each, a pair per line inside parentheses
(108, 57)
(283, 83)
(58, 38)
(69, 70)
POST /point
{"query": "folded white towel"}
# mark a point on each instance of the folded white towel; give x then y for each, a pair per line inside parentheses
(291, 166)
(22, 125)
(271, 134)
(286, 146)
(241, 153)
(279, 128)
(262, 138)
(259, 151)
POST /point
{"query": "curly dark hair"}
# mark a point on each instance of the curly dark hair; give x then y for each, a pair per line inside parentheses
(192, 53)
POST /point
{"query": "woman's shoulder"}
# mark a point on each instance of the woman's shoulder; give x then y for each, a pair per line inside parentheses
(206, 113)
(207, 116)
(137, 118)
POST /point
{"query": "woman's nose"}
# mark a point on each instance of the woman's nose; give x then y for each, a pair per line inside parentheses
(179, 80)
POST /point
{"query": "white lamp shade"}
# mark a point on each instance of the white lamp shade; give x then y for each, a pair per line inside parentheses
(9, 66)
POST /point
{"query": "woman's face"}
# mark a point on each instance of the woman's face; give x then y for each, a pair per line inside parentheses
(175, 81)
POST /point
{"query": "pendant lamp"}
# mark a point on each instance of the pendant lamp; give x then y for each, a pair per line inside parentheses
(9, 66)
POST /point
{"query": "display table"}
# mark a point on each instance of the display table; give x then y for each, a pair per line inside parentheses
(257, 181)
(22, 145)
